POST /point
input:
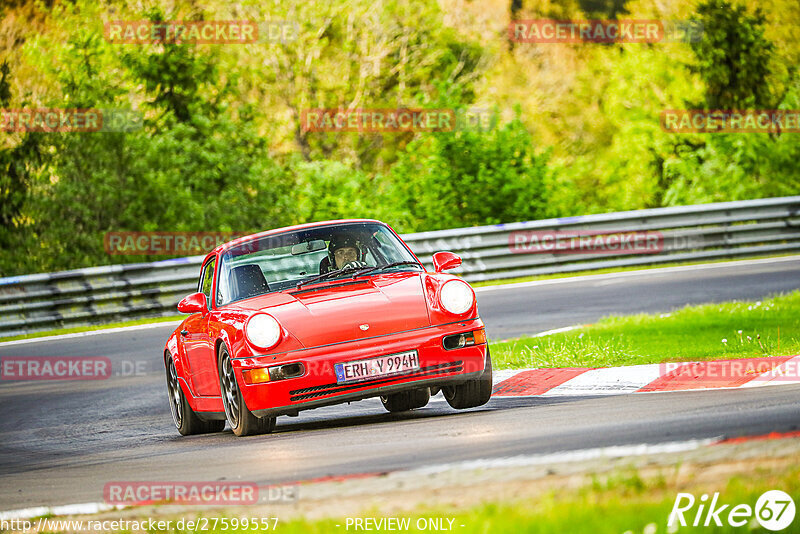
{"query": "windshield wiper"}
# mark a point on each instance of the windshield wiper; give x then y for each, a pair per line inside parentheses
(381, 267)
(323, 276)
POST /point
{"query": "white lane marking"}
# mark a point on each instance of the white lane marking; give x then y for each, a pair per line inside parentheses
(91, 333)
(620, 451)
(639, 272)
(543, 334)
(608, 381)
(558, 330)
(68, 509)
(610, 281)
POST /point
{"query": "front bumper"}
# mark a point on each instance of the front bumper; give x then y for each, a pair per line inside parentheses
(318, 386)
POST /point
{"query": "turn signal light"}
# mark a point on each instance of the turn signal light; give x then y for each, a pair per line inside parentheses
(480, 336)
(273, 374)
(256, 376)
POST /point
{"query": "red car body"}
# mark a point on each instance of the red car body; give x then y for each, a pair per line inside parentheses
(322, 324)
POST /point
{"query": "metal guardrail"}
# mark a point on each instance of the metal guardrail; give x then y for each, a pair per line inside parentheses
(97, 295)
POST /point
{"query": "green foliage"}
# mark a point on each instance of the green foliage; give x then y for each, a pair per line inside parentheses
(740, 70)
(622, 168)
(192, 167)
(325, 190)
(20, 160)
(734, 58)
(222, 148)
(15, 163)
(471, 177)
(362, 54)
(735, 166)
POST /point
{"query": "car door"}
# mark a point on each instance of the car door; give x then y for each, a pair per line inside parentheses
(198, 343)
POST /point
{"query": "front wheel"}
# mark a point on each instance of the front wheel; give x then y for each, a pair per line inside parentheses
(240, 418)
(406, 400)
(186, 420)
(472, 393)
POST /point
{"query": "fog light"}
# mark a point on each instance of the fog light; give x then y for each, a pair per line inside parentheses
(459, 341)
(290, 370)
(256, 376)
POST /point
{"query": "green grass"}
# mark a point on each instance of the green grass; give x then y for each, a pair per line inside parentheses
(76, 329)
(770, 327)
(616, 270)
(620, 503)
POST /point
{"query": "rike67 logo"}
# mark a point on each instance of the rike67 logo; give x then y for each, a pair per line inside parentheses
(774, 510)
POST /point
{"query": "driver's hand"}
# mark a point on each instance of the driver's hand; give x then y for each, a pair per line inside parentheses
(354, 265)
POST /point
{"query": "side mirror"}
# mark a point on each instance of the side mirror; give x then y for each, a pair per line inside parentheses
(196, 302)
(443, 261)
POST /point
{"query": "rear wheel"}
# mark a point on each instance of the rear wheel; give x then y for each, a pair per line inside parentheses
(406, 400)
(240, 418)
(472, 393)
(186, 420)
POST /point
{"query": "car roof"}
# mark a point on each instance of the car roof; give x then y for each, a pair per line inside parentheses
(244, 239)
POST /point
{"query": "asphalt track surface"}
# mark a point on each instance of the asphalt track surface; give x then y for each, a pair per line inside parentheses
(61, 442)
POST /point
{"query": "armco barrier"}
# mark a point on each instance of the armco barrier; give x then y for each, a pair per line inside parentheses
(98, 295)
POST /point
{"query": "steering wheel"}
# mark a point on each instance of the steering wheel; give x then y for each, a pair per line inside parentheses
(351, 265)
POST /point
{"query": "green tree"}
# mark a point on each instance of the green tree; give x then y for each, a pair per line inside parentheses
(22, 159)
(470, 177)
(325, 189)
(193, 166)
(734, 58)
(736, 166)
(362, 54)
(741, 70)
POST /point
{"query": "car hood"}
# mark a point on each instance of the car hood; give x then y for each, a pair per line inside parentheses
(346, 310)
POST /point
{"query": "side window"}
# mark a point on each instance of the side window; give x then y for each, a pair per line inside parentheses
(206, 280)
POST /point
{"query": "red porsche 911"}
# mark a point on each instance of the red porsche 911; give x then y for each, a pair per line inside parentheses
(321, 314)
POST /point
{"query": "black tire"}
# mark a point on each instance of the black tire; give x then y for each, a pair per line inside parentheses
(239, 417)
(186, 420)
(406, 400)
(472, 393)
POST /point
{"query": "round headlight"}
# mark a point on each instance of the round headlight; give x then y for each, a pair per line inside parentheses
(263, 331)
(456, 297)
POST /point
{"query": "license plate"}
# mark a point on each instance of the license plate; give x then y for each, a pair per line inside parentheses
(360, 370)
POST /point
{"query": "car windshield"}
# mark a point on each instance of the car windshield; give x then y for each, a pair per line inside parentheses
(280, 262)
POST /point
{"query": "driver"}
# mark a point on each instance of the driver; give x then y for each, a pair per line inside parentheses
(345, 251)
